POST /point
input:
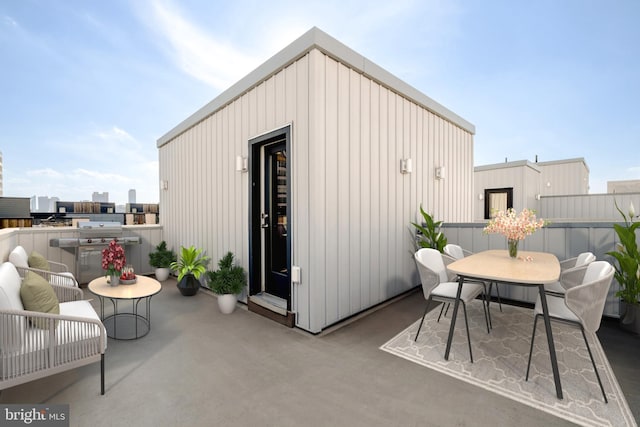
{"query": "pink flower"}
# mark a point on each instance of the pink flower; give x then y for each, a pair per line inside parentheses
(514, 226)
(113, 258)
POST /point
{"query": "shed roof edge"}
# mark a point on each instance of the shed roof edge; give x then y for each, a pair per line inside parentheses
(315, 39)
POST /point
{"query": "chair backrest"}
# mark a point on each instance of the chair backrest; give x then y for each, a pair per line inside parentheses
(431, 269)
(19, 257)
(587, 300)
(584, 258)
(454, 251)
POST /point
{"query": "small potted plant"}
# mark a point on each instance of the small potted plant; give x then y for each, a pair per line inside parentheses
(628, 270)
(191, 265)
(161, 260)
(429, 234)
(228, 281)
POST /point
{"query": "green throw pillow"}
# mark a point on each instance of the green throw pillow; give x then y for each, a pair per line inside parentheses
(38, 295)
(38, 261)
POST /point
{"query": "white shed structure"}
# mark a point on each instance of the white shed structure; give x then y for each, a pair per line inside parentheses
(310, 170)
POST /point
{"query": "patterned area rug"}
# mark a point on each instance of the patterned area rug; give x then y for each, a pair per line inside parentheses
(500, 363)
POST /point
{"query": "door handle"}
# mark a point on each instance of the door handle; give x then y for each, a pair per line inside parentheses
(265, 220)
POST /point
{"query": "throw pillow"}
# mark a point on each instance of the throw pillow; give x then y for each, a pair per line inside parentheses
(38, 295)
(38, 261)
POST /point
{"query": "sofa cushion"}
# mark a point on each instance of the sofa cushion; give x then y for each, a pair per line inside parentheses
(38, 261)
(10, 288)
(82, 308)
(38, 295)
(19, 257)
(13, 330)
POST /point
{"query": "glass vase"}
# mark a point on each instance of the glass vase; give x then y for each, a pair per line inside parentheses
(513, 247)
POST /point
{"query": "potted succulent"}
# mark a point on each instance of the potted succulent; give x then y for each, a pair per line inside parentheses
(628, 270)
(191, 265)
(161, 260)
(228, 281)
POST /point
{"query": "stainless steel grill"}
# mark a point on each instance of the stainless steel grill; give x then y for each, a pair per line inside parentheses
(93, 236)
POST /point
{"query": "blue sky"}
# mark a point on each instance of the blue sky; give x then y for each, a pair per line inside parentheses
(88, 86)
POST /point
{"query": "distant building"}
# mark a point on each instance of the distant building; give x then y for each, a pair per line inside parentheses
(521, 184)
(628, 186)
(100, 197)
(132, 195)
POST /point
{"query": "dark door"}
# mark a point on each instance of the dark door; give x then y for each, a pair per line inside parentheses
(270, 220)
(274, 221)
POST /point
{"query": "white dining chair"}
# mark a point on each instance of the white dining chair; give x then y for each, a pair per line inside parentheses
(566, 266)
(458, 252)
(581, 305)
(437, 287)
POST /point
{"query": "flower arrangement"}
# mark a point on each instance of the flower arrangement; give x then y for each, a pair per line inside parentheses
(514, 226)
(628, 267)
(113, 258)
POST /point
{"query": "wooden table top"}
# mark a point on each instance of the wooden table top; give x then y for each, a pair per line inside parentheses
(144, 287)
(533, 268)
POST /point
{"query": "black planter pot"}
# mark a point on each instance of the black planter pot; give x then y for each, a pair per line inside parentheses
(189, 285)
(630, 317)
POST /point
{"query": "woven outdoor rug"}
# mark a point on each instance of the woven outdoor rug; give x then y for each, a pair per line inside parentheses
(500, 362)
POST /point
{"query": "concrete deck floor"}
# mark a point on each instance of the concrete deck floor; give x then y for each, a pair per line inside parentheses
(198, 367)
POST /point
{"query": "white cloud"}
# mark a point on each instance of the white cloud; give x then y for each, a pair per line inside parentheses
(196, 52)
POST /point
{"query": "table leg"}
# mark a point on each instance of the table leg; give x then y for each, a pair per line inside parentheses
(453, 318)
(552, 347)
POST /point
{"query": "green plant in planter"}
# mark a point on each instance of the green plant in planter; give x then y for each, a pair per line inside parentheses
(628, 269)
(162, 257)
(429, 235)
(191, 262)
(191, 265)
(229, 278)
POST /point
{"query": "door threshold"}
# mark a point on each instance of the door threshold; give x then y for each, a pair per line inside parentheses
(272, 308)
(270, 302)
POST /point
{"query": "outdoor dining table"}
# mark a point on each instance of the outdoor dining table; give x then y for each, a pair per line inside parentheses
(528, 269)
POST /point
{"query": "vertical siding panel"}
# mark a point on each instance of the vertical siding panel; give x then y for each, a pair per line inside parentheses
(376, 189)
(317, 150)
(331, 209)
(268, 105)
(384, 191)
(365, 252)
(355, 190)
(301, 141)
(342, 196)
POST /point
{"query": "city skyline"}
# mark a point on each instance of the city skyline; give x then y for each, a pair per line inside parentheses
(90, 87)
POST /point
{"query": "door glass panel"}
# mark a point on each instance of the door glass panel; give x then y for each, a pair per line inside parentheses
(279, 203)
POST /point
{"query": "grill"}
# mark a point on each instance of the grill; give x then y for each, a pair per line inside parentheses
(93, 236)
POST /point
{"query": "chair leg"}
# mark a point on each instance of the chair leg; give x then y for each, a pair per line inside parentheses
(102, 374)
(442, 309)
(594, 364)
(466, 323)
(533, 335)
(426, 309)
(487, 309)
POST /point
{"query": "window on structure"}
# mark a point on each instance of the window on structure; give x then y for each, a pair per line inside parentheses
(497, 199)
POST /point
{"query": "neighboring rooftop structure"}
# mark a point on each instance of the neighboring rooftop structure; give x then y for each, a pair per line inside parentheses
(628, 186)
